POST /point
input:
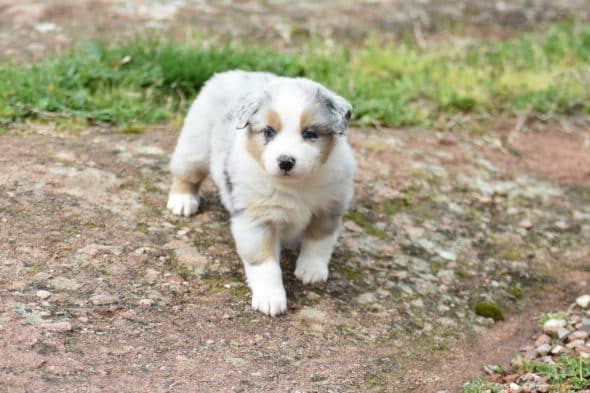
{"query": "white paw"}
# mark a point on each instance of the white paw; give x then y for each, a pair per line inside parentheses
(270, 301)
(311, 272)
(183, 204)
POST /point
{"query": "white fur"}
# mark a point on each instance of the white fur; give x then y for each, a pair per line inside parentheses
(183, 204)
(213, 139)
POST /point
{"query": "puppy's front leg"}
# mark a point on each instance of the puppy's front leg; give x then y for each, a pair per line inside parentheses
(317, 245)
(258, 246)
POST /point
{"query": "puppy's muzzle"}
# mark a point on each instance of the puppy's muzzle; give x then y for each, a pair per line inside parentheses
(286, 163)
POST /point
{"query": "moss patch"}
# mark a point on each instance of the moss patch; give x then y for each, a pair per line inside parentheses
(489, 310)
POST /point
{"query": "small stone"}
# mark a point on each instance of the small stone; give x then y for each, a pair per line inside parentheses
(525, 224)
(64, 283)
(417, 303)
(530, 354)
(583, 301)
(496, 378)
(543, 388)
(514, 387)
(42, 276)
(312, 314)
(578, 335)
(352, 226)
(543, 349)
(511, 378)
(552, 325)
(542, 339)
(490, 368)
(574, 343)
(57, 327)
(151, 275)
(146, 303)
(238, 362)
(42, 294)
(312, 296)
(448, 255)
(562, 333)
(583, 349)
(83, 319)
(366, 298)
(557, 350)
(102, 300)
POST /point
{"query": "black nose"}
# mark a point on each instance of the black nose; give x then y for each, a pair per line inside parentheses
(286, 163)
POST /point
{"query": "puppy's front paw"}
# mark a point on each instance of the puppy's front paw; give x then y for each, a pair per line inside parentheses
(311, 272)
(270, 301)
(183, 204)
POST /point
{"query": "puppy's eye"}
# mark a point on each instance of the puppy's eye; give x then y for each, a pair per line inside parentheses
(269, 133)
(309, 134)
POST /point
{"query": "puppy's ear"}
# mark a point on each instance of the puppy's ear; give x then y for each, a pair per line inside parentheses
(339, 110)
(247, 108)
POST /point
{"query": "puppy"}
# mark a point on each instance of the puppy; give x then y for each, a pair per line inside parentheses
(276, 148)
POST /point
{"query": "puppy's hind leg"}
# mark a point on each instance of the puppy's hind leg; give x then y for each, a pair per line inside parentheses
(190, 161)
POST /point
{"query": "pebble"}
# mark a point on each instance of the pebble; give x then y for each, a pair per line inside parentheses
(578, 335)
(562, 333)
(57, 327)
(526, 224)
(557, 350)
(146, 302)
(542, 339)
(575, 343)
(515, 387)
(543, 388)
(312, 314)
(42, 294)
(42, 276)
(101, 300)
(552, 325)
(583, 301)
(64, 283)
(543, 349)
(353, 226)
(366, 298)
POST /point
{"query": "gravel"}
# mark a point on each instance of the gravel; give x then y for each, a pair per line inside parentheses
(546, 347)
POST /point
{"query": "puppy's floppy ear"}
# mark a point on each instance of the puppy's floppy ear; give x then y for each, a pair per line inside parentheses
(247, 108)
(339, 110)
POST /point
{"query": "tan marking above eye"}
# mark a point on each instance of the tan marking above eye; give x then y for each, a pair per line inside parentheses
(305, 121)
(274, 120)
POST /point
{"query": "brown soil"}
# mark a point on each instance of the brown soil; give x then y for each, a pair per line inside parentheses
(81, 214)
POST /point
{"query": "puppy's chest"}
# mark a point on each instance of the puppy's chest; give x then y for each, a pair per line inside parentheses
(289, 212)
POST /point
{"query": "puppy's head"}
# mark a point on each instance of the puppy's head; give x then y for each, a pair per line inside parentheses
(292, 126)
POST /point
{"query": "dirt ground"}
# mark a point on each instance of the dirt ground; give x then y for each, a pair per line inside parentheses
(103, 290)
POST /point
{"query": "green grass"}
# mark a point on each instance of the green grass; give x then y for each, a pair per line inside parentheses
(392, 85)
(481, 385)
(568, 374)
